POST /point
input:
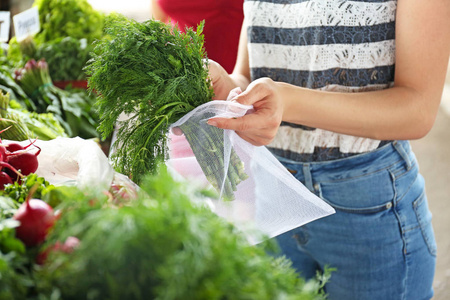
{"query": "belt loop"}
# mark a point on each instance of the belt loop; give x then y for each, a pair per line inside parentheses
(308, 177)
(401, 150)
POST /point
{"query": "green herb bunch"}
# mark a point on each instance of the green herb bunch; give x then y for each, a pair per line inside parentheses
(153, 73)
(18, 191)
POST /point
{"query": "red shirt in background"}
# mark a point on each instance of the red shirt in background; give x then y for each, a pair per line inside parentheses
(223, 21)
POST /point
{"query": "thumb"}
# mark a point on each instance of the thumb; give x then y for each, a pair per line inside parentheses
(233, 93)
(254, 92)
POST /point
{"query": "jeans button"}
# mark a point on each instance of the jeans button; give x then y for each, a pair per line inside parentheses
(389, 205)
(316, 186)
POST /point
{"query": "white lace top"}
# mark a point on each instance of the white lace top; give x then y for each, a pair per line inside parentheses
(332, 45)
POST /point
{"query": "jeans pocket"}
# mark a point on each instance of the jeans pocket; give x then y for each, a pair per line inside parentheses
(423, 215)
(365, 194)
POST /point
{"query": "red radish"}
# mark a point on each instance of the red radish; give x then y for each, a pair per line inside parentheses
(36, 218)
(24, 161)
(12, 147)
(14, 156)
(69, 245)
(4, 179)
(2, 152)
(13, 174)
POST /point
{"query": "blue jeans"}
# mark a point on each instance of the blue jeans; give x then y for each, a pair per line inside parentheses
(380, 239)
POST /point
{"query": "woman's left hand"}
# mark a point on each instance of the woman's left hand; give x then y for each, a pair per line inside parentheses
(260, 126)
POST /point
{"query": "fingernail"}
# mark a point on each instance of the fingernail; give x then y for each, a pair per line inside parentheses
(212, 122)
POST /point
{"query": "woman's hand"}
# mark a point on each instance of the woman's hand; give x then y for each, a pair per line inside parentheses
(260, 126)
(221, 81)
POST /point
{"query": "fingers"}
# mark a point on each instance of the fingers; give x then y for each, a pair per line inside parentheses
(258, 127)
(256, 91)
(233, 93)
(244, 123)
(251, 128)
(177, 131)
(252, 137)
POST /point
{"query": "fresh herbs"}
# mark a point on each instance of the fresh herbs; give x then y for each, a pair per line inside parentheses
(155, 74)
(18, 191)
(162, 246)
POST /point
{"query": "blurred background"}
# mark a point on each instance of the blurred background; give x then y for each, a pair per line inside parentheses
(433, 151)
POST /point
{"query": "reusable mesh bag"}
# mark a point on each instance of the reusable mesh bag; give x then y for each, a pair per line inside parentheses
(257, 193)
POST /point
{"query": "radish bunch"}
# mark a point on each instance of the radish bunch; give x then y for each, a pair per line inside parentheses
(17, 161)
(36, 218)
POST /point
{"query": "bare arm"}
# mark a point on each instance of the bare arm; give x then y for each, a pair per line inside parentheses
(224, 82)
(406, 111)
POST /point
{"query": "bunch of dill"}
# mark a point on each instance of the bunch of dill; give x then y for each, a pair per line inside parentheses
(153, 73)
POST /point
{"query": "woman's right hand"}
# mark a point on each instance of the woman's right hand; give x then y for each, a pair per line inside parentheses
(261, 125)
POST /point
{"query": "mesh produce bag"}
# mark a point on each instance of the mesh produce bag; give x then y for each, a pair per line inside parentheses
(257, 193)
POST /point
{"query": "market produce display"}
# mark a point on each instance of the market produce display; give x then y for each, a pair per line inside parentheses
(151, 237)
(73, 110)
(8, 85)
(155, 74)
(43, 72)
(68, 29)
(160, 245)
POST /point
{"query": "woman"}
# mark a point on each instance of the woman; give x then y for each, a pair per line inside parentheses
(223, 20)
(338, 89)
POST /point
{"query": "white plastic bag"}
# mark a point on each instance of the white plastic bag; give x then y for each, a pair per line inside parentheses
(270, 200)
(73, 161)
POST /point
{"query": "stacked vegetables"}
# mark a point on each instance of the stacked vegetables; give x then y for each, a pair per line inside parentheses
(73, 110)
(23, 124)
(29, 98)
(68, 28)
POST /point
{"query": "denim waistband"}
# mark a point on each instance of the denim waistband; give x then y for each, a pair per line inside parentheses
(355, 165)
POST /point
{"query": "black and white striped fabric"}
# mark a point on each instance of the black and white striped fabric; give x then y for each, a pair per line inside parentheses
(332, 45)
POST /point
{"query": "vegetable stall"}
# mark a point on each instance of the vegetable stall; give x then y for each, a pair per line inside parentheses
(78, 221)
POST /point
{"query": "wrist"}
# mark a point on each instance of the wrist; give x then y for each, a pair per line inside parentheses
(285, 94)
(239, 80)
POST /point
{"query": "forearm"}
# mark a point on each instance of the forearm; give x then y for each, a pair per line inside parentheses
(394, 113)
(406, 111)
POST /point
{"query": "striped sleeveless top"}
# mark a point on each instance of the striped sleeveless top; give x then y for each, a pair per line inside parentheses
(331, 45)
